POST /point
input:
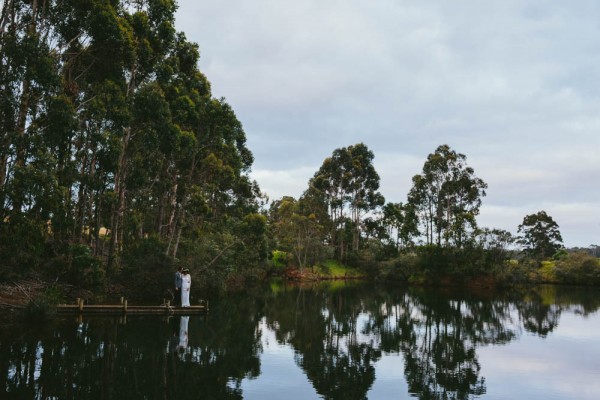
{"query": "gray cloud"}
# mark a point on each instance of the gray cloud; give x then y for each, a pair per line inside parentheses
(514, 85)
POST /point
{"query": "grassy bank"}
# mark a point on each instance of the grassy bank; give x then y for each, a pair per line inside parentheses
(328, 270)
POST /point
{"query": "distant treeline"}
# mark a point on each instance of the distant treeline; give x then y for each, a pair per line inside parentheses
(431, 238)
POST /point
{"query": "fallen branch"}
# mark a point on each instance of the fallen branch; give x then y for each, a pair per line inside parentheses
(221, 253)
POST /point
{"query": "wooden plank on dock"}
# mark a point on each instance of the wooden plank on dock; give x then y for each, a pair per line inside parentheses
(128, 309)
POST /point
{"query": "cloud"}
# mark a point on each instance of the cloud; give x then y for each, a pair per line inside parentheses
(514, 85)
(279, 183)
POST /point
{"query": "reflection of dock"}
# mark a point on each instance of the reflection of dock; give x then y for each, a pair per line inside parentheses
(124, 308)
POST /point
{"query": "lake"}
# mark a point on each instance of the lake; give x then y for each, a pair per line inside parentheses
(337, 341)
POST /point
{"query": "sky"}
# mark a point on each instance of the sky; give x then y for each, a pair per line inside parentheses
(514, 85)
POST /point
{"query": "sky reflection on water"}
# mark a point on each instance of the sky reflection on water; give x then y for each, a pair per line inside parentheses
(564, 365)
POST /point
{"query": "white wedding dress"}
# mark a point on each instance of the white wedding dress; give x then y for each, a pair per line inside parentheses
(186, 284)
(183, 332)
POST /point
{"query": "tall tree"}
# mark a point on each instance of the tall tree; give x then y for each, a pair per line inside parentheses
(446, 197)
(149, 25)
(400, 222)
(347, 185)
(109, 135)
(297, 230)
(540, 235)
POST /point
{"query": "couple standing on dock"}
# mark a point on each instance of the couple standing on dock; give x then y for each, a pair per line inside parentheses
(183, 284)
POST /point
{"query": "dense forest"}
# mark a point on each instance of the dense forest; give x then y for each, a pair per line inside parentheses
(117, 164)
(114, 153)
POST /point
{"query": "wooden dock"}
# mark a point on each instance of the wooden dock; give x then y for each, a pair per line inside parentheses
(124, 308)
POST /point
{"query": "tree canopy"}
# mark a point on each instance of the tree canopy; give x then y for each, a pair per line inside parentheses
(115, 156)
(447, 196)
(110, 136)
(540, 235)
(346, 186)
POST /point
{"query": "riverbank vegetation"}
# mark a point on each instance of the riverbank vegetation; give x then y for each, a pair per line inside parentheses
(116, 162)
(117, 165)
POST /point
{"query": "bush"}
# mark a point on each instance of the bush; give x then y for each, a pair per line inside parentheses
(279, 259)
(85, 270)
(562, 253)
(22, 247)
(42, 306)
(579, 268)
(402, 268)
(147, 272)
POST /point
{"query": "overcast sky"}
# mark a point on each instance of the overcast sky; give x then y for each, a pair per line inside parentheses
(513, 84)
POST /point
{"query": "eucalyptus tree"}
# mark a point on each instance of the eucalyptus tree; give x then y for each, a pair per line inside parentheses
(496, 243)
(28, 73)
(446, 198)
(347, 184)
(187, 92)
(148, 28)
(36, 120)
(106, 122)
(188, 159)
(400, 222)
(296, 230)
(92, 32)
(540, 235)
(28, 76)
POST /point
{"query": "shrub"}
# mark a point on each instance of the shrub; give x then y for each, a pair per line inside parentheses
(85, 270)
(580, 268)
(562, 253)
(279, 259)
(402, 268)
(43, 305)
(147, 272)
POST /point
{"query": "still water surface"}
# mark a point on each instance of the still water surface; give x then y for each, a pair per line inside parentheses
(333, 342)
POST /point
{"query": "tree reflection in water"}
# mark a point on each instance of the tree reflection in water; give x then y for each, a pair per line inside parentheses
(104, 358)
(338, 335)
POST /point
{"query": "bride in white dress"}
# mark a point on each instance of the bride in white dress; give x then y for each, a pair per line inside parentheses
(183, 332)
(186, 284)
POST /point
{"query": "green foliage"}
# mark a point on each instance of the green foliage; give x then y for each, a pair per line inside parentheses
(561, 253)
(253, 251)
(116, 166)
(297, 231)
(540, 237)
(432, 264)
(578, 268)
(400, 219)
(42, 306)
(147, 271)
(85, 270)
(279, 259)
(434, 259)
(22, 248)
(333, 269)
(446, 198)
(345, 190)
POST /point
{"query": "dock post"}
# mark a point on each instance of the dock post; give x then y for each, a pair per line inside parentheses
(125, 305)
(121, 299)
(81, 301)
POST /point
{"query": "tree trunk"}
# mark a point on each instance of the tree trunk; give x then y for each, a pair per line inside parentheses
(116, 229)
